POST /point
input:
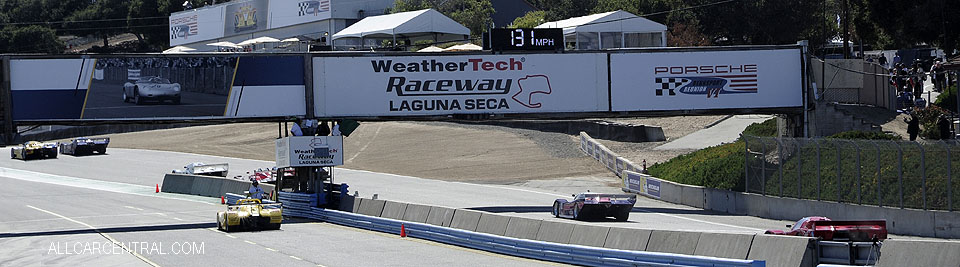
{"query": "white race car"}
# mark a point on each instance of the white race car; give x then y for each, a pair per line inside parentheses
(151, 88)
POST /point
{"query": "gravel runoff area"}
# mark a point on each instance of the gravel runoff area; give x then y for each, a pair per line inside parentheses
(434, 150)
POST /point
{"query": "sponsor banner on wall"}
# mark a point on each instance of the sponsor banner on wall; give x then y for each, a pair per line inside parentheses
(641, 184)
(706, 80)
(196, 25)
(161, 88)
(245, 17)
(309, 151)
(291, 12)
(443, 85)
(49, 88)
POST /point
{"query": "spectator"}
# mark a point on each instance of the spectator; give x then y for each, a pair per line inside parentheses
(882, 60)
(896, 58)
(944, 126)
(913, 126)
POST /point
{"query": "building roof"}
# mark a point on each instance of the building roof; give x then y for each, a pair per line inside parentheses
(407, 24)
(613, 21)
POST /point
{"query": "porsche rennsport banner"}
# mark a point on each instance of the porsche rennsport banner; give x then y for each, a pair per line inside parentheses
(706, 80)
(463, 84)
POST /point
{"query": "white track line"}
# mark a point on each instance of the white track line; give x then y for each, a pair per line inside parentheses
(108, 237)
(375, 134)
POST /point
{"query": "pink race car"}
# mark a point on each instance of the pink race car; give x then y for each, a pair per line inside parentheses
(830, 230)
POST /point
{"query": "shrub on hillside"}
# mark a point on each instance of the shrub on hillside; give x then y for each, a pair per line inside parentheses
(866, 135)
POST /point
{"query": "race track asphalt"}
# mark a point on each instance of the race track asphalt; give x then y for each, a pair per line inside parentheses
(71, 210)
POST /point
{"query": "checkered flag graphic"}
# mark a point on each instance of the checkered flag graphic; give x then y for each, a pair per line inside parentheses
(669, 84)
(303, 8)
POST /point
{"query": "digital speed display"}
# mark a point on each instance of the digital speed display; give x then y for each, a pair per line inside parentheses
(526, 39)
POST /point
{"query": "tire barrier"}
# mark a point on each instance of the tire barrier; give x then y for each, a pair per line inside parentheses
(565, 253)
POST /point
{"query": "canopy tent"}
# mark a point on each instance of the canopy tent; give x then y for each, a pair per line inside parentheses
(224, 44)
(178, 50)
(291, 39)
(258, 40)
(431, 49)
(463, 47)
(615, 29)
(420, 24)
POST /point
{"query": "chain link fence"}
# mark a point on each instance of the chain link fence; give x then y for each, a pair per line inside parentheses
(869, 172)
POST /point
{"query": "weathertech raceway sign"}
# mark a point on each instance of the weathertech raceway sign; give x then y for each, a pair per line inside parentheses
(442, 85)
(309, 151)
(706, 80)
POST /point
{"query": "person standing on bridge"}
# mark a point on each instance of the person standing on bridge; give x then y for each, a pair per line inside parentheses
(255, 191)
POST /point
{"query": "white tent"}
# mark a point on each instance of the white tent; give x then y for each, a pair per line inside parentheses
(224, 44)
(420, 24)
(463, 47)
(258, 40)
(178, 50)
(613, 29)
(431, 49)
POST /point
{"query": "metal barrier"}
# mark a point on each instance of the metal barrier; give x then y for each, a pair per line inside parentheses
(869, 172)
(573, 254)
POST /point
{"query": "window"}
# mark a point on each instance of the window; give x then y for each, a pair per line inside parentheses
(611, 40)
(644, 39)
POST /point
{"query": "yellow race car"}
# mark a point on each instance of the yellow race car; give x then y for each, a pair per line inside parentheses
(250, 214)
(34, 150)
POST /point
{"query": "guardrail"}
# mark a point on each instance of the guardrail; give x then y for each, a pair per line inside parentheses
(573, 254)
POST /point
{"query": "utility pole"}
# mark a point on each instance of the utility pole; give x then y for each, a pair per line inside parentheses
(846, 30)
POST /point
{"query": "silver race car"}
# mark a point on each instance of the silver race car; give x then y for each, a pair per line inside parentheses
(151, 88)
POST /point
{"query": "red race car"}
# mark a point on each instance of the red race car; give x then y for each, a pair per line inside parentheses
(830, 230)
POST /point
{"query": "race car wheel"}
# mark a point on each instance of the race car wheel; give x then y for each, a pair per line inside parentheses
(125, 98)
(556, 209)
(136, 96)
(219, 225)
(272, 226)
(623, 216)
(576, 213)
(12, 155)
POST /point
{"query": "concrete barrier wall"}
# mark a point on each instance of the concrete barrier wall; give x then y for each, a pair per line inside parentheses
(600, 129)
(556, 232)
(416, 213)
(371, 207)
(692, 196)
(440, 216)
(919, 253)
(899, 221)
(176, 183)
(493, 224)
(465, 219)
(673, 242)
(731, 246)
(774, 249)
(525, 228)
(627, 239)
(347, 203)
(356, 204)
(393, 210)
(209, 186)
(589, 235)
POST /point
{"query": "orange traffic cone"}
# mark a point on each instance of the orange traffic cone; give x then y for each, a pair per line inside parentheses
(403, 231)
(222, 200)
(158, 188)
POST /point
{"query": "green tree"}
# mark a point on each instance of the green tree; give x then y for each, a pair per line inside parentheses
(103, 19)
(529, 20)
(473, 14)
(30, 39)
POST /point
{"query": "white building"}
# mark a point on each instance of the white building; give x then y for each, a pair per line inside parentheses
(615, 29)
(237, 21)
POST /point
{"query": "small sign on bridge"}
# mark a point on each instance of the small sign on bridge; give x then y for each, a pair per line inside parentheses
(309, 151)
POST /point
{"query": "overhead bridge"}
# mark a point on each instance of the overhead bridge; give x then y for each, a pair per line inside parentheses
(217, 87)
